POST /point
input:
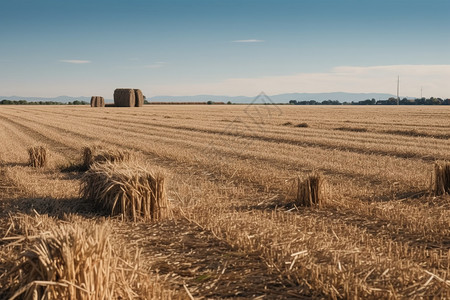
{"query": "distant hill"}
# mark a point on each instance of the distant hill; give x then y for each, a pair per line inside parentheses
(281, 98)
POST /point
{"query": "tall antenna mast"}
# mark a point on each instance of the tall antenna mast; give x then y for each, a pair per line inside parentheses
(398, 89)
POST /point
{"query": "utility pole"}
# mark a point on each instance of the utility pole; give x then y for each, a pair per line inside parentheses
(398, 89)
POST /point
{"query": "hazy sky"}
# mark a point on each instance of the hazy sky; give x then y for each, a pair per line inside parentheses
(224, 47)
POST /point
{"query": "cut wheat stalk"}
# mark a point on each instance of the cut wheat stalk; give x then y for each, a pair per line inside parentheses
(127, 189)
(37, 156)
(441, 179)
(311, 191)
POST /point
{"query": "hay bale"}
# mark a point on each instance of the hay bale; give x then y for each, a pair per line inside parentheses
(96, 154)
(37, 156)
(441, 179)
(124, 98)
(100, 101)
(139, 98)
(311, 191)
(97, 101)
(127, 189)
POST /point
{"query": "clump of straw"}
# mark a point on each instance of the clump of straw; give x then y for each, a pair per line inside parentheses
(37, 156)
(75, 260)
(441, 180)
(127, 189)
(311, 191)
(97, 154)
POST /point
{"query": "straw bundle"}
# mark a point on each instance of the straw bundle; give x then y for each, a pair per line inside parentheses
(441, 182)
(72, 259)
(127, 189)
(311, 191)
(97, 154)
(69, 262)
(37, 156)
(139, 98)
(124, 98)
(97, 101)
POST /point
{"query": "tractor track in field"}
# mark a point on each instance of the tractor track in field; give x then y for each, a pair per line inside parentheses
(209, 267)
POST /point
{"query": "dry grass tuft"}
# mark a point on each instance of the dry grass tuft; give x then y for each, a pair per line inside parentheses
(37, 156)
(441, 182)
(311, 191)
(127, 189)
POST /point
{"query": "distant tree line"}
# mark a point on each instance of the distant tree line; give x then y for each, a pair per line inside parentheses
(390, 101)
(25, 102)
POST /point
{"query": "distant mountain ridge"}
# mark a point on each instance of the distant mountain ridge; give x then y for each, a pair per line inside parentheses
(280, 98)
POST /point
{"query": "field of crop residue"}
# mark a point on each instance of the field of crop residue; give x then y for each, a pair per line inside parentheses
(235, 228)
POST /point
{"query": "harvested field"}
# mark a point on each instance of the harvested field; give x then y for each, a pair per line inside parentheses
(236, 231)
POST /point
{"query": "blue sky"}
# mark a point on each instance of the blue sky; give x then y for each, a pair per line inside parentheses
(223, 47)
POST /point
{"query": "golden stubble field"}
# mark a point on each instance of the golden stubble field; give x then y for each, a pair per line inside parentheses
(235, 232)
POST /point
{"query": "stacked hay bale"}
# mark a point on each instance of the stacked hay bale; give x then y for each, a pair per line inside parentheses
(311, 191)
(97, 101)
(124, 97)
(139, 98)
(37, 156)
(127, 189)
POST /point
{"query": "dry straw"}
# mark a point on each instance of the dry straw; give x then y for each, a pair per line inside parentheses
(69, 262)
(127, 189)
(311, 191)
(97, 154)
(75, 260)
(124, 97)
(139, 98)
(441, 182)
(37, 156)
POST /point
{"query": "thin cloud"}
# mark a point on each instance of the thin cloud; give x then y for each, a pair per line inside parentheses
(248, 41)
(75, 61)
(156, 65)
